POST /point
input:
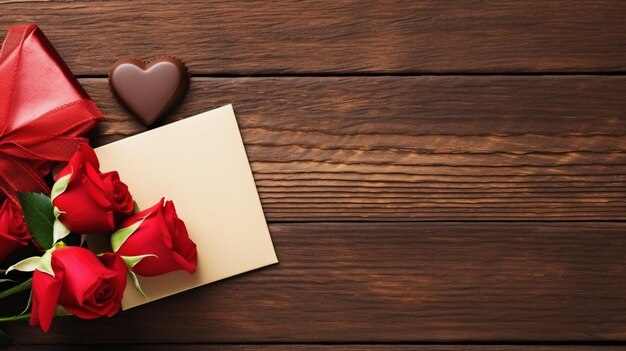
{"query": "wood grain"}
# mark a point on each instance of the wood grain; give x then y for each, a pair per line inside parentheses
(321, 37)
(428, 148)
(386, 282)
(314, 347)
(525, 160)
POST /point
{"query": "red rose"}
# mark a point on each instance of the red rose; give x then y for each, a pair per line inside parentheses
(89, 201)
(156, 231)
(85, 285)
(123, 205)
(13, 230)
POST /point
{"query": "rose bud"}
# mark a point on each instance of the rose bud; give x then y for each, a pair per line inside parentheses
(84, 284)
(155, 241)
(86, 200)
(123, 205)
(13, 230)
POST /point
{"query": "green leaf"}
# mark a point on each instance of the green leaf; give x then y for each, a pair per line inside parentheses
(60, 185)
(39, 216)
(5, 340)
(135, 207)
(7, 280)
(119, 237)
(26, 265)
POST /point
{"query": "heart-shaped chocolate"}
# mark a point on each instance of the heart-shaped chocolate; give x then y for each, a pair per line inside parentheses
(151, 89)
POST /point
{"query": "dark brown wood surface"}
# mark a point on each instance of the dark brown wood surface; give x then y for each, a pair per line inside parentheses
(326, 347)
(384, 282)
(312, 37)
(437, 175)
(431, 148)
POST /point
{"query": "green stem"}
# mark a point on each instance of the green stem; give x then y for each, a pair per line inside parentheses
(18, 288)
(15, 318)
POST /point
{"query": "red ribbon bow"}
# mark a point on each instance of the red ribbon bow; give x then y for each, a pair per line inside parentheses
(43, 111)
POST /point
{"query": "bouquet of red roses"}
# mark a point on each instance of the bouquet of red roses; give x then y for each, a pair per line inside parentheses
(68, 278)
(43, 114)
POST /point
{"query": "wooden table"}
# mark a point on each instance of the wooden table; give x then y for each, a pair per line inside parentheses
(437, 175)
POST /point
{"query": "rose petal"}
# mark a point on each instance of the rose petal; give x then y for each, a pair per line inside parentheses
(83, 274)
(162, 234)
(46, 290)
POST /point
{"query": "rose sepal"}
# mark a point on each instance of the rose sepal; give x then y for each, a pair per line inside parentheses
(60, 185)
(137, 285)
(59, 230)
(120, 236)
(41, 263)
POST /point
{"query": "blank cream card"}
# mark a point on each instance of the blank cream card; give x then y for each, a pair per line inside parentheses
(201, 165)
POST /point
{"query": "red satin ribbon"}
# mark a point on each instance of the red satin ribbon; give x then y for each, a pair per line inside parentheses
(43, 111)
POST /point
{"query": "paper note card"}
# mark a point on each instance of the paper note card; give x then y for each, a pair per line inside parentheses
(200, 163)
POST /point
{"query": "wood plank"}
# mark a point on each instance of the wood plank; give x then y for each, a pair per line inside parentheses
(301, 37)
(390, 282)
(428, 148)
(315, 347)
